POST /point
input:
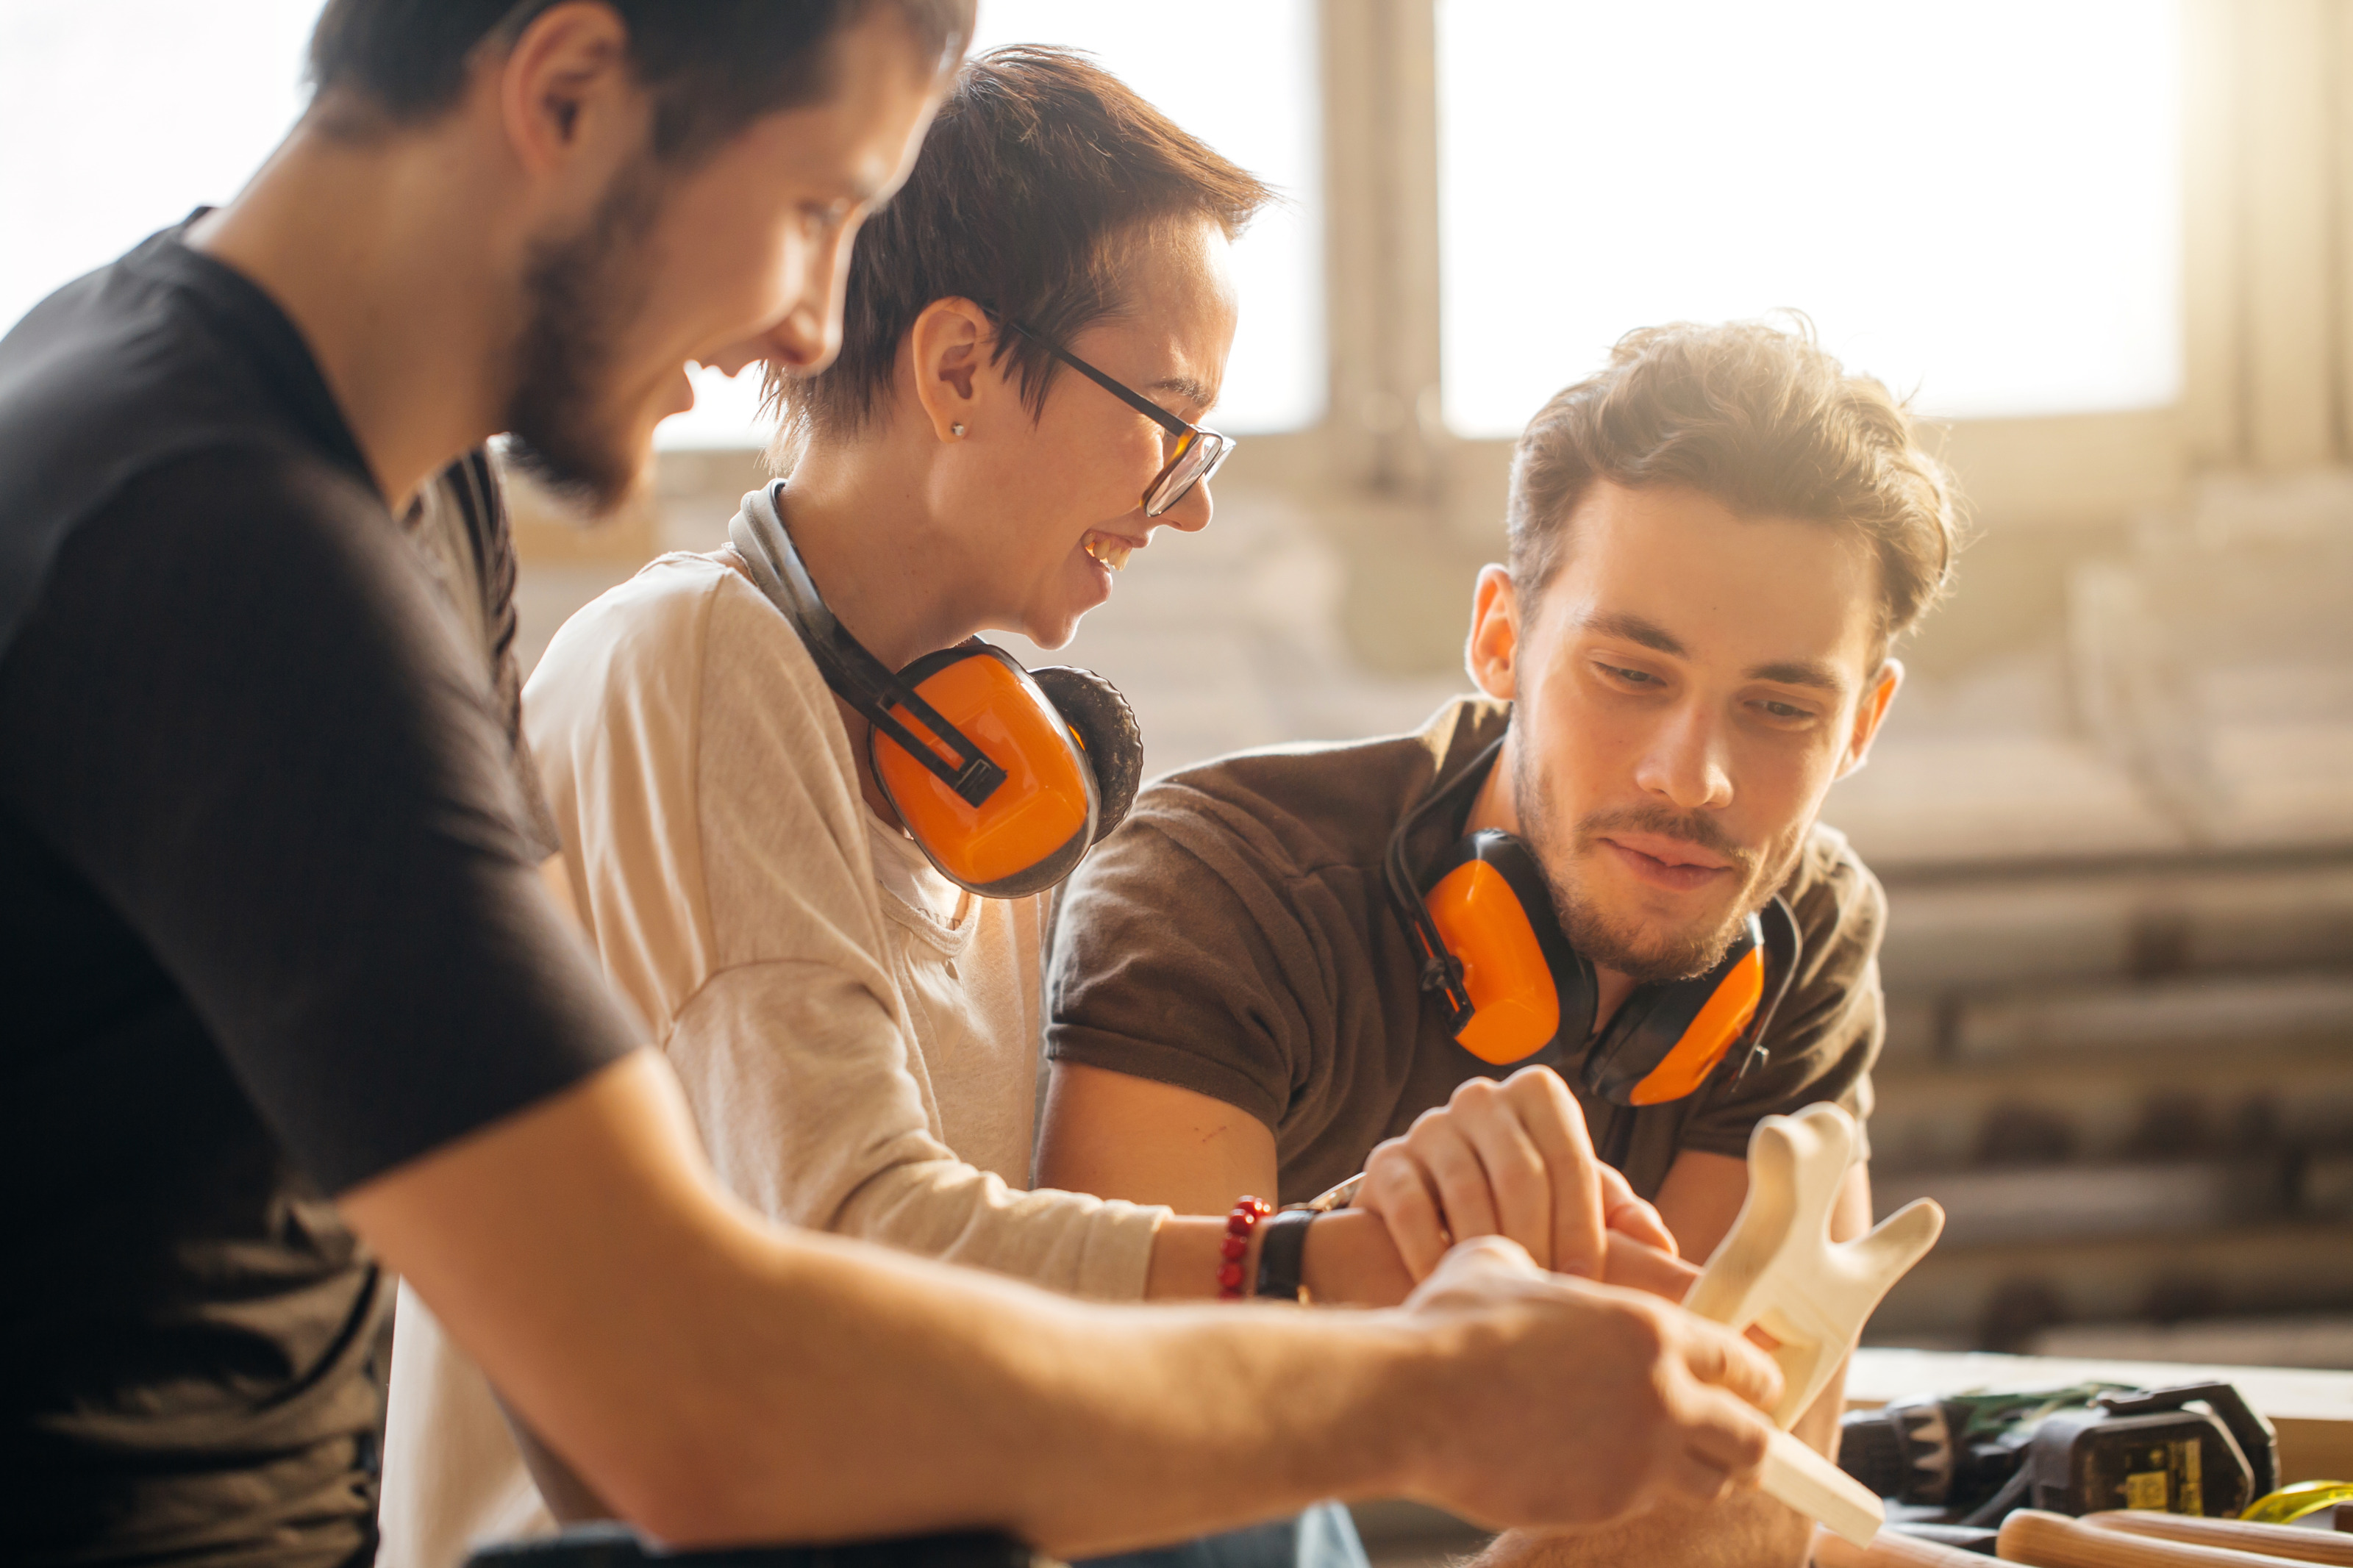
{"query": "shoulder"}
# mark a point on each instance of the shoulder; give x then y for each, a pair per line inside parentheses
(656, 614)
(618, 689)
(677, 616)
(690, 657)
(129, 370)
(256, 538)
(1304, 809)
(1836, 898)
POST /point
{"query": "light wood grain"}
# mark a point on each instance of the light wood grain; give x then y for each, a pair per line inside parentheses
(1779, 1270)
(2054, 1540)
(2279, 1540)
(1807, 1481)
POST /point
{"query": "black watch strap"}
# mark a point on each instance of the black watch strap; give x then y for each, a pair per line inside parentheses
(1283, 1253)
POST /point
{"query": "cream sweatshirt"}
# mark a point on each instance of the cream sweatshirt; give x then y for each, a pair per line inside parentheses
(858, 1037)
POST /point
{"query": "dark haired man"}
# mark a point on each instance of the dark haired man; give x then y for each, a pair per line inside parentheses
(292, 995)
(1714, 542)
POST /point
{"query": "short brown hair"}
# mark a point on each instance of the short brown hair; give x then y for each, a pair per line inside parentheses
(1759, 417)
(712, 67)
(1039, 168)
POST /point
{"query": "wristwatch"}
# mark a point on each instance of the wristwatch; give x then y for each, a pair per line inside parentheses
(1282, 1252)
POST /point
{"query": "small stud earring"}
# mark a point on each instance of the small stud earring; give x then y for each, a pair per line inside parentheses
(955, 430)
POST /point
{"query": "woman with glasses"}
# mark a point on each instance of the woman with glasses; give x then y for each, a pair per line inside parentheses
(1033, 331)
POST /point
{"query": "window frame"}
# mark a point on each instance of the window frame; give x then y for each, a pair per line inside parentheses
(2267, 318)
(2267, 335)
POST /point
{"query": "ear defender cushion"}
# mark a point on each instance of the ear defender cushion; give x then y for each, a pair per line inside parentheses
(1033, 827)
(1493, 909)
(1107, 734)
(1667, 1038)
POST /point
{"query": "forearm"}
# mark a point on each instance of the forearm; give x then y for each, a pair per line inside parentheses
(804, 1088)
(998, 1397)
(812, 1389)
(570, 1498)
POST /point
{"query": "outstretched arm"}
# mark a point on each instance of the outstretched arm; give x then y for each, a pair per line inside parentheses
(719, 1379)
(1508, 1157)
(1699, 1200)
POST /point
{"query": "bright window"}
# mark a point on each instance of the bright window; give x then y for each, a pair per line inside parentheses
(119, 116)
(1981, 202)
(1241, 75)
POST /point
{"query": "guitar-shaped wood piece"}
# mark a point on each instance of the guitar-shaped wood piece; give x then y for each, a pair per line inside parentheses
(1777, 1271)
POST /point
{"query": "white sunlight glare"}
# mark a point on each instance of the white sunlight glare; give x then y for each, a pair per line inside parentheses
(1979, 201)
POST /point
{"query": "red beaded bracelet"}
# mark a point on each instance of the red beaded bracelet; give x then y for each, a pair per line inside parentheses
(1241, 1220)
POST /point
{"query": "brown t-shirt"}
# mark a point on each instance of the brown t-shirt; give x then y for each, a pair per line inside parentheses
(1235, 937)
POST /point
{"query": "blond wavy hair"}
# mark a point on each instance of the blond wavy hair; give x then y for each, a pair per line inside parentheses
(1759, 416)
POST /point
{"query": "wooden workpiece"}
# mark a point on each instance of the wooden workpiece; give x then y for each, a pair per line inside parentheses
(1777, 1271)
(2054, 1540)
(2278, 1540)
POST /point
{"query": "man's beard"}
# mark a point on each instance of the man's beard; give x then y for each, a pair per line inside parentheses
(581, 294)
(1623, 945)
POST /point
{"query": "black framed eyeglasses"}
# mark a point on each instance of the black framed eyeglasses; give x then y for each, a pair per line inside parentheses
(1199, 452)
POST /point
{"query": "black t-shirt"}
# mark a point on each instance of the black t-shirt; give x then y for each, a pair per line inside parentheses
(268, 921)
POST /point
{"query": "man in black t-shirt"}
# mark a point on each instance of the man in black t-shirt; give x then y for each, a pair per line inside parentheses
(286, 994)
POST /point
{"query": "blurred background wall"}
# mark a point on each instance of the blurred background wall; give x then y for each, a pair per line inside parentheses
(2108, 246)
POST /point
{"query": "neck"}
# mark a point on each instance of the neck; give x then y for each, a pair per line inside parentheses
(383, 254)
(1496, 806)
(862, 517)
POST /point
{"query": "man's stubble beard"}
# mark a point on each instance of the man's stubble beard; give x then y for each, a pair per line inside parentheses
(581, 295)
(1622, 945)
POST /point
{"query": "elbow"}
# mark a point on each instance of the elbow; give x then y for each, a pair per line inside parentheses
(681, 1502)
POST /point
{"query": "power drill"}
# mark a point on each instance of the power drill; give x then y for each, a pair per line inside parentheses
(2198, 1448)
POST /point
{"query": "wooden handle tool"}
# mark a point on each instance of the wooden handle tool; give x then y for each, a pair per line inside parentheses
(2279, 1540)
(2054, 1540)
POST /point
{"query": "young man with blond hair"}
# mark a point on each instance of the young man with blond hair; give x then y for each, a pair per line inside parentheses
(1713, 542)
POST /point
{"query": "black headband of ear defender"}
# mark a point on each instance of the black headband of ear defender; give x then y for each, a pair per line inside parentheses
(855, 675)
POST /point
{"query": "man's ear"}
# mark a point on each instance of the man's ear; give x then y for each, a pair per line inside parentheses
(1495, 631)
(566, 83)
(1870, 714)
(948, 352)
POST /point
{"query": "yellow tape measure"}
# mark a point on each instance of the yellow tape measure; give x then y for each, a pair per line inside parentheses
(2289, 1504)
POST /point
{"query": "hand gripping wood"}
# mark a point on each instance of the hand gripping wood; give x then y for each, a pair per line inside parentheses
(1779, 1271)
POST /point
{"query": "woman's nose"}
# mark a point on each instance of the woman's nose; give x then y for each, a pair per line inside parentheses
(1192, 511)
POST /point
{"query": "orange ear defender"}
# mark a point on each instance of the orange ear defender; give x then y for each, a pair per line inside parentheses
(1004, 777)
(1489, 937)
